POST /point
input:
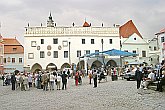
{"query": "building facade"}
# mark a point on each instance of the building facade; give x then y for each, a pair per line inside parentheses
(154, 51)
(161, 42)
(58, 47)
(13, 55)
(132, 41)
(1, 55)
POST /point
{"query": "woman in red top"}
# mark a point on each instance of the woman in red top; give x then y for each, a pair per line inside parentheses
(76, 78)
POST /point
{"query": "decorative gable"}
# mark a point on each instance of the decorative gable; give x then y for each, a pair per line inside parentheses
(134, 39)
(128, 29)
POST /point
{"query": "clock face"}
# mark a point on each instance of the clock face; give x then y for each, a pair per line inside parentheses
(38, 47)
(48, 53)
(49, 47)
(59, 47)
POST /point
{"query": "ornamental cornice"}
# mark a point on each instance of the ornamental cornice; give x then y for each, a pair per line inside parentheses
(64, 31)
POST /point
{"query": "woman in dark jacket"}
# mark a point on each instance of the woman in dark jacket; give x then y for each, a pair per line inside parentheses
(13, 81)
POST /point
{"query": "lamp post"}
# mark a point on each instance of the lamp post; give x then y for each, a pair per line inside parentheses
(102, 42)
(120, 55)
(69, 54)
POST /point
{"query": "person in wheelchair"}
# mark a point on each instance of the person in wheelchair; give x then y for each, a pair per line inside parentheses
(102, 76)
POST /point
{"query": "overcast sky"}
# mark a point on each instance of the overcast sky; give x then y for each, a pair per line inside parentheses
(147, 15)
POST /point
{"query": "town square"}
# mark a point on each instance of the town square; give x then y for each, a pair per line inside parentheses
(110, 95)
(87, 55)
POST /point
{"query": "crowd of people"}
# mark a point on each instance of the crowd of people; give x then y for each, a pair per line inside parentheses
(146, 77)
(47, 80)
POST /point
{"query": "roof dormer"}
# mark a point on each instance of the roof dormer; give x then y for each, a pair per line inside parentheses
(86, 24)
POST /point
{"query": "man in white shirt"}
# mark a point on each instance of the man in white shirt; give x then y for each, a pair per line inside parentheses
(150, 79)
(58, 79)
(52, 80)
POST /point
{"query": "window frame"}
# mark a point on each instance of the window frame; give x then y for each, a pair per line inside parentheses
(78, 53)
(92, 41)
(54, 54)
(66, 54)
(4, 60)
(144, 54)
(55, 40)
(110, 41)
(133, 51)
(33, 44)
(83, 41)
(87, 52)
(13, 60)
(42, 41)
(162, 39)
(42, 54)
(30, 55)
(20, 60)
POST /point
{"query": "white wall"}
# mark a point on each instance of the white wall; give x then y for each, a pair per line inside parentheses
(70, 34)
(136, 43)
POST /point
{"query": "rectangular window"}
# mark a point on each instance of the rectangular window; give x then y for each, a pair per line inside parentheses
(33, 44)
(30, 56)
(42, 54)
(20, 60)
(97, 51)
(110, 41)
(83, 41)
(55, 54)
(42, 41)
(14, 49)
(55, 41)
(8, 59)
(78, 53)
(92, 41)
(162, 39)
(4, 60)
(13, 60)
(134, 51)
(155, 48)
(87, 51)
(65, 54)
(65, 43)
(143, 53)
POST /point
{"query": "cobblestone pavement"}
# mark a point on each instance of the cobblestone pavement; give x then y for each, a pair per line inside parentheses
(110, 95)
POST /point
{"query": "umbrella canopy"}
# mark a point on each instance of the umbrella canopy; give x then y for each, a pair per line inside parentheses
(112, 52)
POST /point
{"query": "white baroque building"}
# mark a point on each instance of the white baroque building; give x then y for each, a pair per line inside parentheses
(160, 36)
(132, 41)
(56, 47)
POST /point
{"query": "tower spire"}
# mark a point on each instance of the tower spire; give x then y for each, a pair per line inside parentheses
(50, 22)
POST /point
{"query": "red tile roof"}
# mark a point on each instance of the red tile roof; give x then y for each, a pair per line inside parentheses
(12, 46)
(128, 29)
(86, 24)
(161, 31)
(11, 41)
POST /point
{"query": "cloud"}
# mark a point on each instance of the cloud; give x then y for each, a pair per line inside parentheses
(147, 15)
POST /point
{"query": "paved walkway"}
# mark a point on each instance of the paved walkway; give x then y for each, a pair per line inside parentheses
(111, 95)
